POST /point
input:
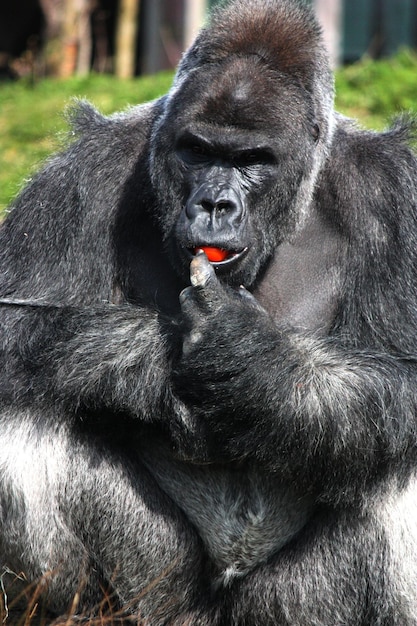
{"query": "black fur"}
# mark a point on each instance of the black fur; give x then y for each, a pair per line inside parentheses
(241, 449)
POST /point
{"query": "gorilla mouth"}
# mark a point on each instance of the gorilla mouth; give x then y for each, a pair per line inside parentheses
(220, 257)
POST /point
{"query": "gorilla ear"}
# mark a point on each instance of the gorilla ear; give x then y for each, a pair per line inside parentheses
(315, 131)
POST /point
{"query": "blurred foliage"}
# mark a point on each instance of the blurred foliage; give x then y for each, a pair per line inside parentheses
(32, 120)
(377, 91)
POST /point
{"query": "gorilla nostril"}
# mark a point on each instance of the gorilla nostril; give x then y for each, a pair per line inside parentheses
(208, 205)
(217, 206)
(223, 206)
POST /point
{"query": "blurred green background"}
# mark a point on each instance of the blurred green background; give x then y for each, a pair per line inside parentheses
(32, 120)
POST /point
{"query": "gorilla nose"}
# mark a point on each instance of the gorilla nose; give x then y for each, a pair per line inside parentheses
(224, 205)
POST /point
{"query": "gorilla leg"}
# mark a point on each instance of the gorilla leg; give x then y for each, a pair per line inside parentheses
(76, 515)
(351, 567)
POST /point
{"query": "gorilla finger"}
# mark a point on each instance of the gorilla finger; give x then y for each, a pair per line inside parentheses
(188, 301)
(201, 271)
(192, 306)
(191, 342)
(186, 295)
(244, 294)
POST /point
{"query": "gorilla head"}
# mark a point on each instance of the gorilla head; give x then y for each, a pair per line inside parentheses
(246, 126)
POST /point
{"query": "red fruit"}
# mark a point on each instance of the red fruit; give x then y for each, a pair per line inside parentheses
(215, 255)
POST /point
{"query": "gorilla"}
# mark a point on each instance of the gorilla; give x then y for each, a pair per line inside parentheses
(208, 343)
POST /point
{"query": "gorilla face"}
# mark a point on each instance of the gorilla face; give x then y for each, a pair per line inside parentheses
(231, 153)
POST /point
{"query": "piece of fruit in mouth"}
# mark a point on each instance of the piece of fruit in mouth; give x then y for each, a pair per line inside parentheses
(215, 255)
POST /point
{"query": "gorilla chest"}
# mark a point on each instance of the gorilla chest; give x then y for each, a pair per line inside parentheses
(243, 515)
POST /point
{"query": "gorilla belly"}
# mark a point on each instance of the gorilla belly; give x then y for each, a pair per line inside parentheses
(243, 515)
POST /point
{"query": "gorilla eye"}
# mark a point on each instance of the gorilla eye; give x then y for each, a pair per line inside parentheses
(250, 158)
(254, 157)
(199, 150)
(191, 151)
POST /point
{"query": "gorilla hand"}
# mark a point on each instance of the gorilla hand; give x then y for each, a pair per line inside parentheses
(226, 332)
(215, 313)
(209, 302)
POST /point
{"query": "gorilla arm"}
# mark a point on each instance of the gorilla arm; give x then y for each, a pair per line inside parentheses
(60, 272)
(109, 356)
(306, 407)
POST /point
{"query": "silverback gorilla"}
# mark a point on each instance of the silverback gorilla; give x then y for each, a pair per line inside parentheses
(209, 340)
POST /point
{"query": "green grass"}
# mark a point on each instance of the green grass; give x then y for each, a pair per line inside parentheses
(376, 91)
(32, 122)
(32, 119)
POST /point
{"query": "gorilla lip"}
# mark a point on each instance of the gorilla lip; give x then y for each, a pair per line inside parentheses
(220, 257)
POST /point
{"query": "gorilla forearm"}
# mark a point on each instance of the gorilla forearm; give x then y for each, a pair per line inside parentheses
(305, 406)
(109, 356)
(325, 413)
